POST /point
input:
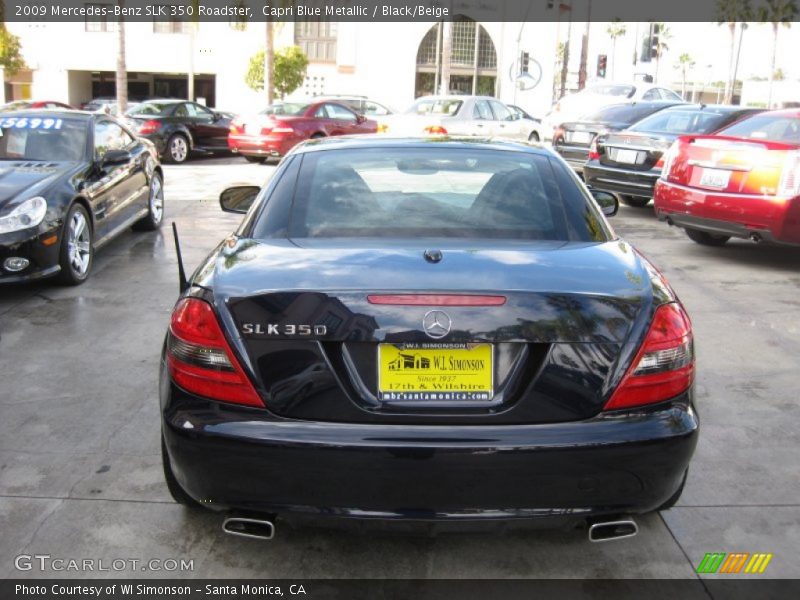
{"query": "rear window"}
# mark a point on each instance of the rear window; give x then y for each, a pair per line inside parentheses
(286, 108)
(767, 127)
(433, 106)
(624, 113)
(436, 193)
(624, 91)
(152, 108)
(679, 122)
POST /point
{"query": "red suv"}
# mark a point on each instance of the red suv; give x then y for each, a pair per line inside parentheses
(742, 182)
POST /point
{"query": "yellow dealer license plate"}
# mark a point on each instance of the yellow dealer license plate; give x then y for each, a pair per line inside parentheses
(435, 372)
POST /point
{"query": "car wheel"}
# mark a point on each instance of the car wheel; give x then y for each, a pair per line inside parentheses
(707, 239)
(533, 137)
(673, 500)
(254, 159)
(155, 206)
(175, 490)
(177, 148)
(77, 247)
(635, 201)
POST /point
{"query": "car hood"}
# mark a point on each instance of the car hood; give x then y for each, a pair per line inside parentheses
(25, 179)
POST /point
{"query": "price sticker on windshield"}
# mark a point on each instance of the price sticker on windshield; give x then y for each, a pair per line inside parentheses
(30, 123)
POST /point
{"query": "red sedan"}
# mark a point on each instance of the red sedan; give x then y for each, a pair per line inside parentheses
(276, 130)
(743, 182)
(34, 104)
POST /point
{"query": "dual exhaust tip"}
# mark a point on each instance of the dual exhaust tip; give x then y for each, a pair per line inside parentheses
(264, 528)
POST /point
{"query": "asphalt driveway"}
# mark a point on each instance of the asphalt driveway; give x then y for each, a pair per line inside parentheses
(80, 469)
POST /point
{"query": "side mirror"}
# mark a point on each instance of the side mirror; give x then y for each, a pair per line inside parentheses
(238, 199)
(608, 202)
(216, 116)
(115, 157)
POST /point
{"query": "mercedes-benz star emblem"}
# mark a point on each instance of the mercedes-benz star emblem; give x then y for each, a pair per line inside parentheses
(436, 324)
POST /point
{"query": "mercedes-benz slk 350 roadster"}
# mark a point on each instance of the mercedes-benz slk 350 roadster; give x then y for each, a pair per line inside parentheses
(438, 332)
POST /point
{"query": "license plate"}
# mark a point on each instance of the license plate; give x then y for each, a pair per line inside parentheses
(435, 372)
(581, 137)
(715, 178)
(627, 156)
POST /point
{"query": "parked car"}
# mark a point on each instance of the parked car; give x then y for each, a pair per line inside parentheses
(179, 127)
(573, 139)
(482, 116)
(71, 182)
(361, 104)
(96, 104)
(34, 104)
(629, 162)
(489, 349)
(574, 107)
(280, 127)
(742, 182)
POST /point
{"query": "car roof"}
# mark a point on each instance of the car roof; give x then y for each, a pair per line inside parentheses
(714, 107)
(346, 142)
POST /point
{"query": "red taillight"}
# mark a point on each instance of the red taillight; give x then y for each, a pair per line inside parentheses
(150, 126)
(789, 184)
(664, 365)
(237, 127)
(593, 153)
(558, 135)
(436, 300)
(435, 130)
(200, 359)
(281, 127)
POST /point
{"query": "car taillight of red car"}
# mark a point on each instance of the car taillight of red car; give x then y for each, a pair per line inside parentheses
(236, 127)
(594, 154)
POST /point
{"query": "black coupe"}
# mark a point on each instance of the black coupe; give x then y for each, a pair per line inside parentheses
(440, 331)
(69, 182)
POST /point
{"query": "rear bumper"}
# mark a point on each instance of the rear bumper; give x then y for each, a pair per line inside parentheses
(249, 145)
(775, 220)
(231, 458)
(621, 181)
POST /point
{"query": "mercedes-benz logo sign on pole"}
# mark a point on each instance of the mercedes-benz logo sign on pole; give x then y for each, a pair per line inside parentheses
(436, 324)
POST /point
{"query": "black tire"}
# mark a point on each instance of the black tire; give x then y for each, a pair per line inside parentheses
(707, 239)
(635, 201)
(673, 500)
(175, 490)
(177, 150)
(76, 254)
(533, 137)
(254, 159)
(155, 206)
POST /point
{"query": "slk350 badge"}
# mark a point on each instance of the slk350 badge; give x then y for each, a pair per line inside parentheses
(288, 329)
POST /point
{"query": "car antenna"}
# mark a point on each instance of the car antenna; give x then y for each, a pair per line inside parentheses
(182, 283)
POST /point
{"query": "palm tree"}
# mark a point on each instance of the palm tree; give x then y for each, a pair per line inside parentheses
(776, 12)
(585, 47)
(729, 12)
(122, 70)
(614, 31)
(661, 44)
(685, 63)
(269, 61)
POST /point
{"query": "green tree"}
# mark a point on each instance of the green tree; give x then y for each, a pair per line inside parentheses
(685, 63)
(10, 48)
(777, 13)
(289, 71)
(615, 30)
(729, 12)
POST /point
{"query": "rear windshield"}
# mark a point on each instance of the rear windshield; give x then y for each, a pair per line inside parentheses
(433, 106)
(437, 192)
(679, 122)
(42, 137)
(624, 113)
(152, 108)
(286, 108)
(625, 91)
(767, 127)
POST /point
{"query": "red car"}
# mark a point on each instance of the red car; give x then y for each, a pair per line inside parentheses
(34, 104)
(743, 182)
(276, 130)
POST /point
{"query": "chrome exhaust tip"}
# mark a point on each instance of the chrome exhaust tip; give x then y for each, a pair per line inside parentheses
(249, 527)
(756, 238)
(604, 531)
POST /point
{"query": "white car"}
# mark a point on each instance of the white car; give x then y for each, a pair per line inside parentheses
(574, 106)
(481, 116)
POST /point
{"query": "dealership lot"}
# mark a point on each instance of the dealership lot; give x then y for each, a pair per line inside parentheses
(80, 471)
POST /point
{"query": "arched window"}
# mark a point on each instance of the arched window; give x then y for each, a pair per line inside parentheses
(472, 59)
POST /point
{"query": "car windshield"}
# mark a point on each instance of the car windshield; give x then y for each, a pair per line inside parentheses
(438, 192)
(435, 106)
(286, 108)
(623, 113)
(152, 108)
(625, 91)
(42, 137)
(683, 121)
(767, 127)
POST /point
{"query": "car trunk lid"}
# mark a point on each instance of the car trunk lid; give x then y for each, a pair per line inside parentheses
(637, 152)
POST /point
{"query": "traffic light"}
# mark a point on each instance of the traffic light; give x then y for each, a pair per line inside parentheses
(602, 63)
(524, 61)
(654, 42)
